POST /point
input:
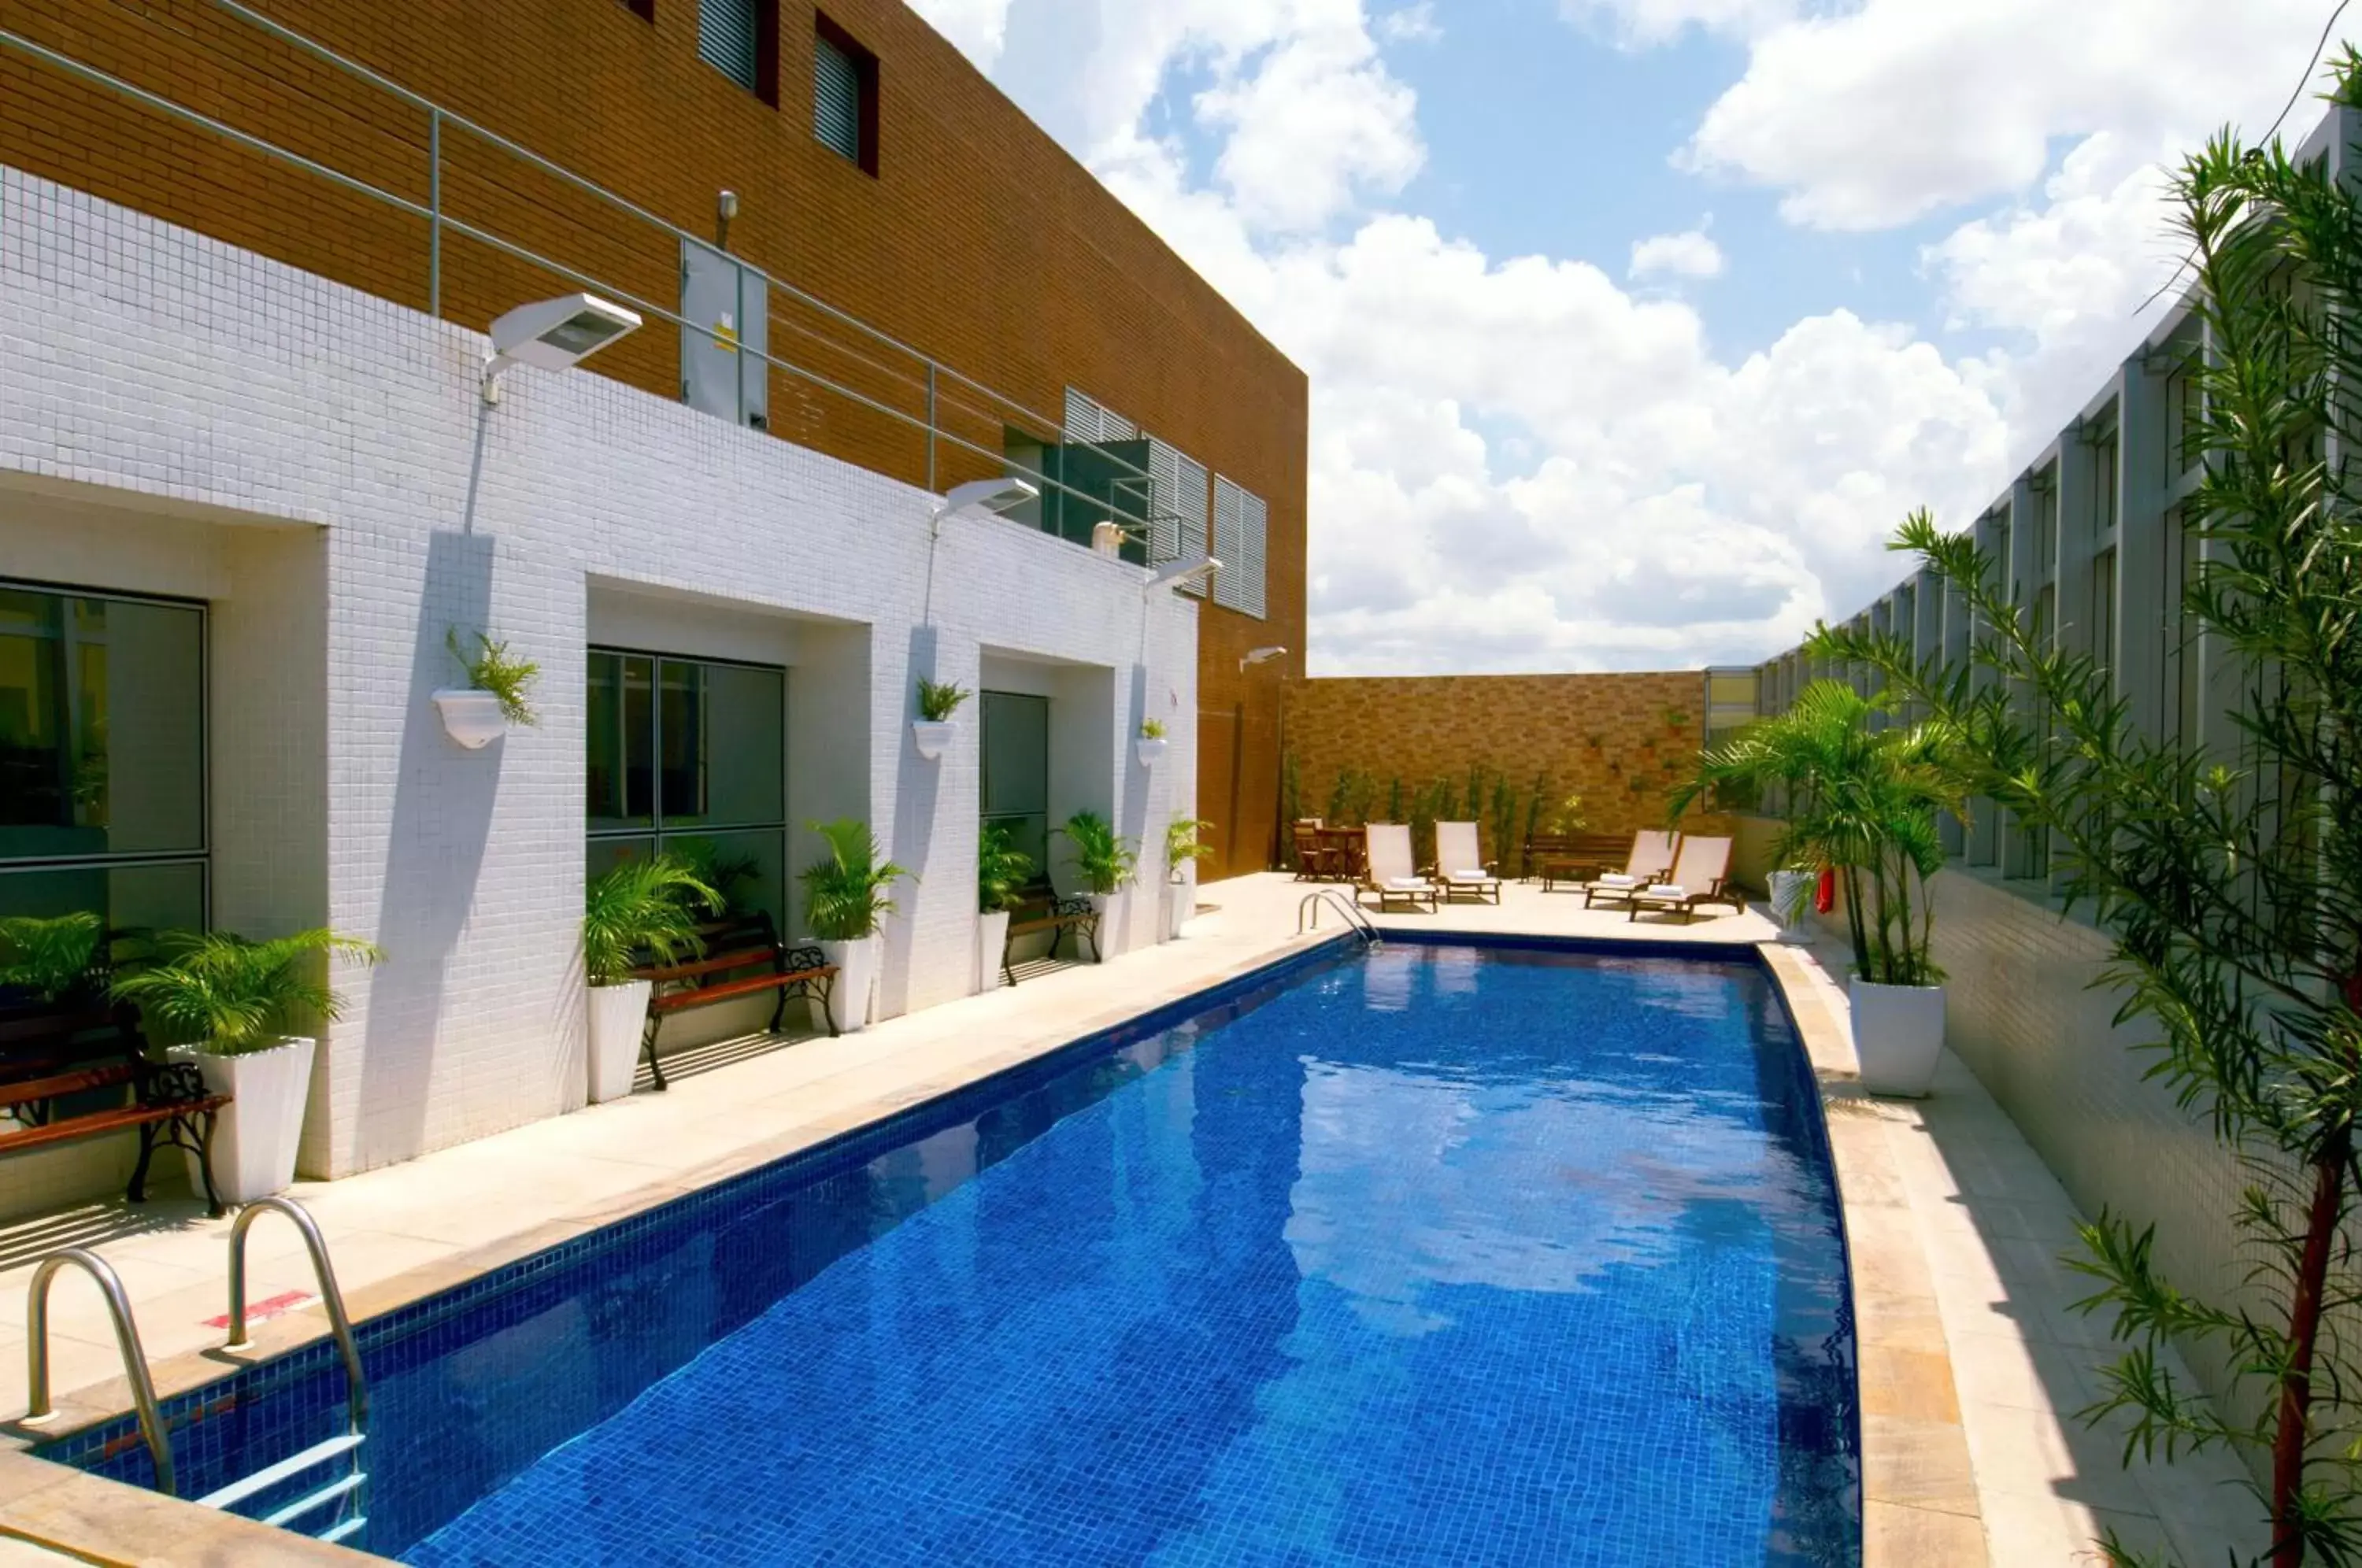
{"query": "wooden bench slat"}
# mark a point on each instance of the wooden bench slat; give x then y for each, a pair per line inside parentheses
(26, 1091)
(708, 965)
(100, 1121)
(674, 1001)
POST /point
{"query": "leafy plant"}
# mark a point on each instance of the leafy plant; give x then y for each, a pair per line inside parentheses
(492, 667)
(844, 895)
(50, 957)
(642, 908)
(2227, 870)
(1569, 816)
(1105, 862)
(728, 873)
(939, 700)
(228, 995)
(1151, 729)
(1185, 842)
(1863, 801)
(1002, 869)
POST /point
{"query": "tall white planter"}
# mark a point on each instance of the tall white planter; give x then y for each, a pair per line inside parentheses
(619, 1015)
(1796, 886)
(1180, 903)
(992, 943)
(472, 717)
(856, 977)
(1898, 1032)
(256, 1137)
(1112, 909)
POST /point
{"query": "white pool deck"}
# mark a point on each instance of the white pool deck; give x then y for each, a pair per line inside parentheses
(1973, 1361)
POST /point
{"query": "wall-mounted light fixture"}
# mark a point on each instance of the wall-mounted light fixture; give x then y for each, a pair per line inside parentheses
(991, 497)
(553, 335)
(1179, 574)
(725, 207)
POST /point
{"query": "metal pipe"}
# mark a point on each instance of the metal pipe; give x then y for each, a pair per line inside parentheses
(37, 1407)
(331, 1298)
(435, 204)
(930, 427)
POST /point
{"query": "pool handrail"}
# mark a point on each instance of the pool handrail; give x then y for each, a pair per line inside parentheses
(1355, 916)
(38, 1407)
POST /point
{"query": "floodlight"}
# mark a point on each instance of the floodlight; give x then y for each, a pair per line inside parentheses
(1181, 573)
(1261, 656)
(552, 335)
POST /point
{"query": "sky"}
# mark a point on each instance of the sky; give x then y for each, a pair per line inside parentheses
(1635, 326)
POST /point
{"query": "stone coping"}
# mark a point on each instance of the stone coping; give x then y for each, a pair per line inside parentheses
(1919, 1499)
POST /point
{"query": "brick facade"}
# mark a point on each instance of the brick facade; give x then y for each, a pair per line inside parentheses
(978, 240)
(1620, 741)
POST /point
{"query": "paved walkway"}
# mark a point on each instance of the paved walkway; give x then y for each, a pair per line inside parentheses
(1968, 1216)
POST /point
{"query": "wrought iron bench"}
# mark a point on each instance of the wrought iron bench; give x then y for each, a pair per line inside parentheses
(1057, 916)
(744, 958)
(52, 1059)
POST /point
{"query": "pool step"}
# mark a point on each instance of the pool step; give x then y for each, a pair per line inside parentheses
(287, 1469)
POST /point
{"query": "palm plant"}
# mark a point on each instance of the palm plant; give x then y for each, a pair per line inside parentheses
(1102, 858)
(1862, 802)
(228, 995)
(939, 700)
(50, 957)
(844, 895)
(642, 908)
(1001, 869)
(508, 677)
(1185, 841)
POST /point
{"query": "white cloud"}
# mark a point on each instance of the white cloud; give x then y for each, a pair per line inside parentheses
(1410, 24)
(1892, 109)
(1639, 24)
(1690, 254)
(978, 29)
(1316, 121)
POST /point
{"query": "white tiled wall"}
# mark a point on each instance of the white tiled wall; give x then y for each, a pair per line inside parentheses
(161, 392)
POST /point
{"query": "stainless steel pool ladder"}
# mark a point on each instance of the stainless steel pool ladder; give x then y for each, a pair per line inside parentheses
(346, 1491)
(1355, 916)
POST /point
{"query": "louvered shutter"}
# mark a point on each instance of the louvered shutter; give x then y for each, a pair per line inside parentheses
(725, 39)
(1180, 512)
(1252, 520)
(1229, 515)
(836, 99)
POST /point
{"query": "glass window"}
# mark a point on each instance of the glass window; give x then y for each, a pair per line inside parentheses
(102, 756)
(1016, 786)
(686, 756)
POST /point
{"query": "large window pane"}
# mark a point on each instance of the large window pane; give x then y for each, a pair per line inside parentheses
(127, 897)
(745, 867)
(1016, 785)
(102, 715)
(721, 743)
(621, 742)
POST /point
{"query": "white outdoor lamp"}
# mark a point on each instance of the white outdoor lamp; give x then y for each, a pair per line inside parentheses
(552, 335)
(1261, 656)
(1179, 574)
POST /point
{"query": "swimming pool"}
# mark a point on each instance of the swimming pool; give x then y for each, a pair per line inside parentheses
(1444, 1253)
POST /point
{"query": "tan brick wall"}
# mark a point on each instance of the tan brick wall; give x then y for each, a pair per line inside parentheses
(979, 241)
(1620, 741)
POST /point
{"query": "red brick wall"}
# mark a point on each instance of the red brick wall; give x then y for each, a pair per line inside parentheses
(979, 241)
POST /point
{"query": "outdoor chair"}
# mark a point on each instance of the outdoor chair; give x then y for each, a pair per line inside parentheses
(1388, 871)
(1650, 858)
(1700, 875)
(1460, 863)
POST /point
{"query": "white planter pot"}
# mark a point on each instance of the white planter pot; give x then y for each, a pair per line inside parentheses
(992, 943)
(1180, 903)
(473, 718)
(1796, 885)
(256, 1137)
(932, 736)
(619, 1017)
(1898, 1032)
(856, 976)
(1110, 908)
(1152, 751)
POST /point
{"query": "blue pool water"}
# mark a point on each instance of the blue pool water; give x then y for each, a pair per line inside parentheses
(1447, 1253)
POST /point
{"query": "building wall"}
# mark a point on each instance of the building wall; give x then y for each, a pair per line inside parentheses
(979, 241)
(191, 419)
(1620, 741)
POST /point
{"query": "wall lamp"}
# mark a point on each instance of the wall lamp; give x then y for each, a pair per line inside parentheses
(1181, 573)
(1261, 656)
(552, 335)
(991, 497)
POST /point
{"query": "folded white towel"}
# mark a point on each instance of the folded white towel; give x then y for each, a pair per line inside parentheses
(1618, 880)
(1469, 877)
(1405, 881)
(1667, 890)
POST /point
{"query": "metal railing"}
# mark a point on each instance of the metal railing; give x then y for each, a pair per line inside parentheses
(1311, 904)
(937, 387)
(38, 1405)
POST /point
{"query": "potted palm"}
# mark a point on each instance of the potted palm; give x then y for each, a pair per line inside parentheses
(1185, 845)
(844, 903)
(1106, 863)
(641, 912)
(47, 961)
(225, 1005)
(498, 692)
(1152, 742)
(1863, 804)
(1001, 871)
(932, 730)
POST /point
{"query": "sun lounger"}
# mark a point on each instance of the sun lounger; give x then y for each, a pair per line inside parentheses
(1700, 875)
(1460, 865)
(1389, 872)
(1650, 858)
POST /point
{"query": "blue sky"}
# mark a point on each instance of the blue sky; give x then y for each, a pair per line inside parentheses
(1634, 325)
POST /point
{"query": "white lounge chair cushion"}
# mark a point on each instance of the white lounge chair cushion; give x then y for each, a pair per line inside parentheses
(1405, 881)
(1666, 890)
(1618, 880)
(1470, 876)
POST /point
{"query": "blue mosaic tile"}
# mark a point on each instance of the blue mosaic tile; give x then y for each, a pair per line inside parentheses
(1459, 1252)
